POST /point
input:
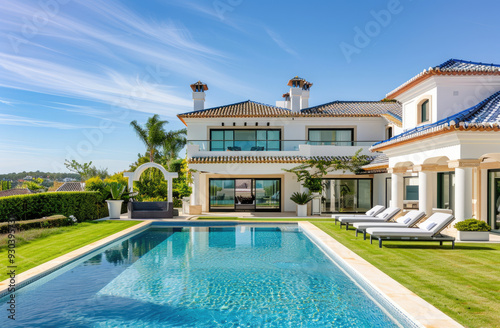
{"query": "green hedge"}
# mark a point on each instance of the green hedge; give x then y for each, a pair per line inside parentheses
(84, 205)
(50, 222)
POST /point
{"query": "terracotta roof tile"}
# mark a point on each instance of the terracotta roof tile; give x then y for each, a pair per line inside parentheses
(14, 192)
(354, 108)
(72, 186)
(449, 67)
(259, 159)
(333, 109)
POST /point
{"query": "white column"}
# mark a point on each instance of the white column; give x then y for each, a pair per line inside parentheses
(422, 192)
(425, 190)
(463, 193)
(195, 195)
(483, 195)
(397, 186)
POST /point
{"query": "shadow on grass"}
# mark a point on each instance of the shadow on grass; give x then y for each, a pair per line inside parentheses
(446, 246)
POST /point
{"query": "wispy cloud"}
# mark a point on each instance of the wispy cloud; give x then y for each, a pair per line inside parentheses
(6, 102)
(101, 51)
(279, 41)
(7, 119)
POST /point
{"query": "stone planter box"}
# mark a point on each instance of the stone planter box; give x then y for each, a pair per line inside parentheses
(194, 209)
(302, 210)
(473, 235)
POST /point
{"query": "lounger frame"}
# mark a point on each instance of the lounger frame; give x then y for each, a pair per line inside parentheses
(440, 238)
(436, 237)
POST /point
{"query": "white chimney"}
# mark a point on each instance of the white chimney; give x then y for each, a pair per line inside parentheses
(304, 98)
(285, 103)
(295, 93)
(199, 89)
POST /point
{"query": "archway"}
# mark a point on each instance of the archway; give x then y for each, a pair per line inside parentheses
(134, 176)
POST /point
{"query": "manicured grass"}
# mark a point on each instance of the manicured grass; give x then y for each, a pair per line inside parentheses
(464, 282)
(34, 247)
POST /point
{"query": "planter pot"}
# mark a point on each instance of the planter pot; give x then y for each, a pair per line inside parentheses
(473, 235)
(115, 208)
(302, 210)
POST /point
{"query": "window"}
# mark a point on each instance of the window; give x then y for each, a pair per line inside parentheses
(338, 137)
(424, 111)
(245, 140)
(388, 132)
(446, 190)
(346, 195)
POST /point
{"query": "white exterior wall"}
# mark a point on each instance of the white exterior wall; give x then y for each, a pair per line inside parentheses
(448, 95)
(452, 146)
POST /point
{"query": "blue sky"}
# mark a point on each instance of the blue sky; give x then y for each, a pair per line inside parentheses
(73, 74)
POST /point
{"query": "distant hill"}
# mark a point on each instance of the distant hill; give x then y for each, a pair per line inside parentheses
(39, 174)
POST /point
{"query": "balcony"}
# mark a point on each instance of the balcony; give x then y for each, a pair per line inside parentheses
(202, 148)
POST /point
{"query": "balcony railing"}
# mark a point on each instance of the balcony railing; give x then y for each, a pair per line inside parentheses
(270, 145)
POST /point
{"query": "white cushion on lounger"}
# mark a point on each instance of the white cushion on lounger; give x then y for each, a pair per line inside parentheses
(386, 215)
(402, 222)
(371, 212)
(366, 225)
(410, 217)
(399, 232)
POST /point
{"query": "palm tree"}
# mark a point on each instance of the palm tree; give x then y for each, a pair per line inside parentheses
(173, 144)
(152, 134)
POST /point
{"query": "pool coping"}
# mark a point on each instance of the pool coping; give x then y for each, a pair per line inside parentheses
(54, 264)
(413, 305)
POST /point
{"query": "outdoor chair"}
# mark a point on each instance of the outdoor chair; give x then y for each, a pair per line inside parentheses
(370, 213)
(409, 220)
(384, 216)
(429, 230)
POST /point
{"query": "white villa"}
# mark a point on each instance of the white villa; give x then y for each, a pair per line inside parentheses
(433, 141)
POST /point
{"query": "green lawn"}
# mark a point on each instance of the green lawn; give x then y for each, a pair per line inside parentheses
(34, 247)
(464, 282)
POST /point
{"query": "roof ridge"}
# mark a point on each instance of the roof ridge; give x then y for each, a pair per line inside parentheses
(350, 101)
(465, 62)
(233, 104)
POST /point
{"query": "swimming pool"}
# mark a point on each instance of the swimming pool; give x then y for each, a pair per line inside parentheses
(220, 276)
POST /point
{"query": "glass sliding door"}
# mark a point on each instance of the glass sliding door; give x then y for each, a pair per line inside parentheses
(494, 199)
(221, 194)
(446, 190)
(388, 191)
(346, 195)
(245, 194)
(268, 194)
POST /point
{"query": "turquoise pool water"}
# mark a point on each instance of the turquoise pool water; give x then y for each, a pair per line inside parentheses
(240, 276)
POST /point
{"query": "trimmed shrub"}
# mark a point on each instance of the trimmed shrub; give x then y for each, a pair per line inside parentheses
(49, 222)
(177, 202)
(472, 225)
(83, 205)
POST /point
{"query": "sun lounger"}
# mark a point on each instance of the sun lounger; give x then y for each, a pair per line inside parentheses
(409, 220)
(384, 216)
(429, 230)
(372, 212)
